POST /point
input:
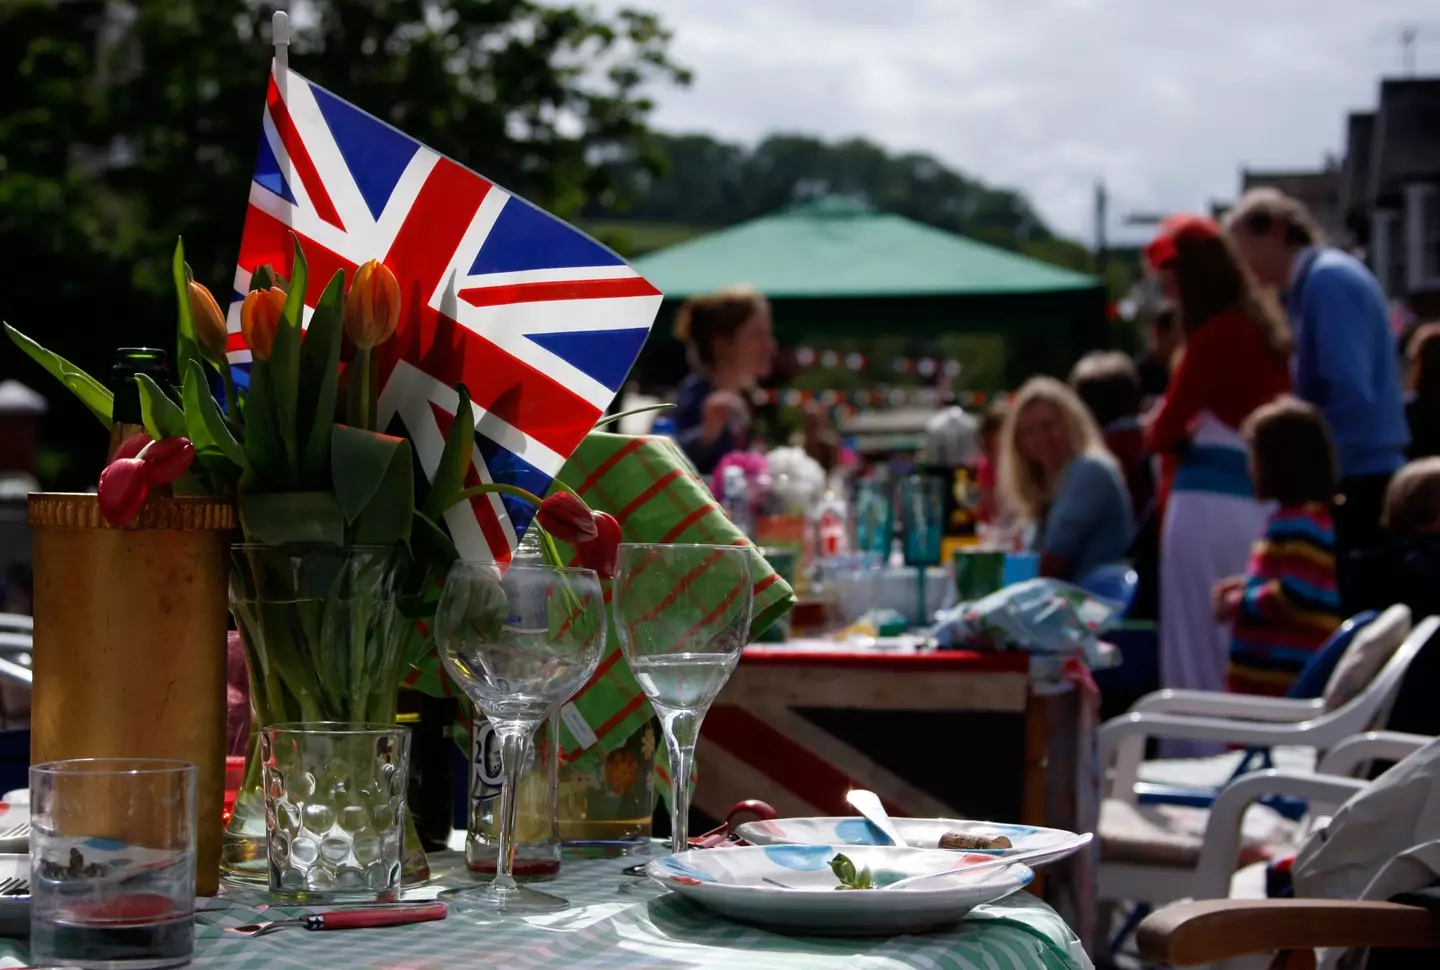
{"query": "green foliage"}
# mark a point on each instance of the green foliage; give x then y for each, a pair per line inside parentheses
(285, 363)
(187, 348)
(161, 416)
(320, 378)
(94, 395)
(206, 428)
(844, 870)
(715, 183)
(449, 479)
(292, 517)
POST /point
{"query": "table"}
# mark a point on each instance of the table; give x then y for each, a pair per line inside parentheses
(608, 930)
(936, 734)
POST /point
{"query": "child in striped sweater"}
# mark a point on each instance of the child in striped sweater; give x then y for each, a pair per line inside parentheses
(1286, 605)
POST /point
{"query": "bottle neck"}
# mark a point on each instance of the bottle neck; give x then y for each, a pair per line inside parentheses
(119, 431)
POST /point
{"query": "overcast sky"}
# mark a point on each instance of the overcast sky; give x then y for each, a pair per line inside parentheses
(1164, 99)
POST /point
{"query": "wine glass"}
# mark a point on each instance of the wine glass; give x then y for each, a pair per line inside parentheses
(682, 613)
(520, 640)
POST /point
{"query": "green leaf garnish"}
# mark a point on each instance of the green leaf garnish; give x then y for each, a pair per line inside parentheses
(844, 870)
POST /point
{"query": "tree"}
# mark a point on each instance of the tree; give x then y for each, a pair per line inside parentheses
(124, 125)
(714, 183)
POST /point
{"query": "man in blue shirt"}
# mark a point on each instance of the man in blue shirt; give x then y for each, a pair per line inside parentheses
(1346, 361)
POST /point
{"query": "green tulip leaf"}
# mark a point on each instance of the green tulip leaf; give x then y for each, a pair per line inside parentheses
(161, 416)
(187, 348)
(449, 479)
(94, 395)
(263, 278)
(285, 362)
(202, 415)
(374, 483)
(262, 437)
(281, 518)
(320, 378)
(431, 546)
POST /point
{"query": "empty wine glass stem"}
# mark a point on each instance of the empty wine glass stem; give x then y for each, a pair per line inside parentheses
(681, 730)
(514, 752)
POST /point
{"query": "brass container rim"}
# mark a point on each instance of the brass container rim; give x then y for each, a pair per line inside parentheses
(81, 510)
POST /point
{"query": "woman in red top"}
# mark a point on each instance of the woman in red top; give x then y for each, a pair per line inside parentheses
(1236, 358)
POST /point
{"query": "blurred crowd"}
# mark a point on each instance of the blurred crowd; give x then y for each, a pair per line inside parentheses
(1269, 463)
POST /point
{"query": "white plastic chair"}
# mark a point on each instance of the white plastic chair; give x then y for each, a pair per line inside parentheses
(17, 646)
(1240, 720)
(1243, 719)
(1325, 790)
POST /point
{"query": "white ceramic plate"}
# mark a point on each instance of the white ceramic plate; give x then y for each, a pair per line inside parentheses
(15, 813)
(733, 882)
(1030, 844)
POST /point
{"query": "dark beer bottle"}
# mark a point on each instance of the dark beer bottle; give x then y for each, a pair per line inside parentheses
(125, 418)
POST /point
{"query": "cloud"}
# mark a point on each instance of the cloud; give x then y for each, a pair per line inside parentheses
(1164, 100)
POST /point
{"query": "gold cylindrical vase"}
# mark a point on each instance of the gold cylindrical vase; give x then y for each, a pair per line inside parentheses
(130, 656)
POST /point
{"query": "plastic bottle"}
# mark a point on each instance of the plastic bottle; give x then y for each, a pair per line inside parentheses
(735, 499)
(832, 521)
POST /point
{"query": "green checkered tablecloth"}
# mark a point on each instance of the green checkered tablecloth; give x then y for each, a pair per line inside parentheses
(608, 929)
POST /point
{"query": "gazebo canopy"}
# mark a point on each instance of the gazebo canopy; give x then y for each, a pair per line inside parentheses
(834, 266)
(835, 247)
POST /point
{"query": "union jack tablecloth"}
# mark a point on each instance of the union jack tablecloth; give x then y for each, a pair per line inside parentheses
(607, 929)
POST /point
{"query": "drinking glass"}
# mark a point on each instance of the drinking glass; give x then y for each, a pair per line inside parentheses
(335, 810)
(922, 514)
(682, 613)
(520, 639)
(112, 863)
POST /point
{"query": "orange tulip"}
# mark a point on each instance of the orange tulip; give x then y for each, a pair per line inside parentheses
(372, 307)
(260, 318)
(209, 323)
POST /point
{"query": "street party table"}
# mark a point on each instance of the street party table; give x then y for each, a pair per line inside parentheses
(607, 927)
(1003, 737)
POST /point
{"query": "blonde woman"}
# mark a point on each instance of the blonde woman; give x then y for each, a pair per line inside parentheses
(1055, 471)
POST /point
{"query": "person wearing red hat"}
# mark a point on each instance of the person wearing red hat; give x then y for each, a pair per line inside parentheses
(1237, 349)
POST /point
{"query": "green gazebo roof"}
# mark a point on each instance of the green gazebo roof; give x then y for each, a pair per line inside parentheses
(836, 247)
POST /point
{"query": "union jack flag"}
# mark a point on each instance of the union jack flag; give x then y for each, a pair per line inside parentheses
(540, 321)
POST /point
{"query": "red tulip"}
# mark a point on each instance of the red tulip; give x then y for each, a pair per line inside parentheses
(601, 552)
(131, 446)
(123, 490)
(567, 518)
(167, 459)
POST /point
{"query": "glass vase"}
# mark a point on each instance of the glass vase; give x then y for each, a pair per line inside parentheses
(323, 642)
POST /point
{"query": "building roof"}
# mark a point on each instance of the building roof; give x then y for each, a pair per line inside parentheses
(1406, 141)
(1355, 173)
(837, 247)
(1318, 189)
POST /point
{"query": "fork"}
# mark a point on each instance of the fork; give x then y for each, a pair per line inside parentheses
(348, 919)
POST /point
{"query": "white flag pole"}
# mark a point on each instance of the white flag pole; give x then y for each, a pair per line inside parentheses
(280, 36)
